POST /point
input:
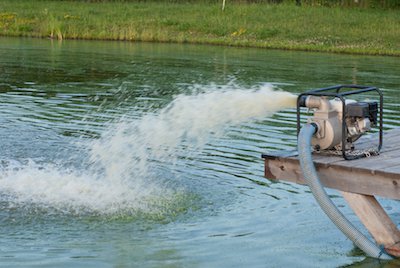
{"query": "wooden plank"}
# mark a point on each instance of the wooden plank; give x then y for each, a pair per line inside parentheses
(277, 169)
(387, 159)
(394, 169)
(337, 177)
(391, 145)
(376, 175)
(376, 220)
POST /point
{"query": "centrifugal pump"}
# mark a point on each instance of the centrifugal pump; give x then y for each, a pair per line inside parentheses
(341, 121)
(336, 123)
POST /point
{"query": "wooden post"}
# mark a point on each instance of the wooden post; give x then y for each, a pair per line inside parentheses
(375, 219)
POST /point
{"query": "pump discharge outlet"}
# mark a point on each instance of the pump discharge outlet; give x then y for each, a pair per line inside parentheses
(340, 120)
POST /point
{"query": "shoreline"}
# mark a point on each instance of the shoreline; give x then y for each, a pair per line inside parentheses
(283, 27)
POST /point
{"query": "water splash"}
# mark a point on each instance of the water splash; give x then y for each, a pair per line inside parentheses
(188, 119)
(129, 167)
(71, 191)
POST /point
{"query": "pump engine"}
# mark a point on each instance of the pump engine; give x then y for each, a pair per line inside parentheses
(341, 121)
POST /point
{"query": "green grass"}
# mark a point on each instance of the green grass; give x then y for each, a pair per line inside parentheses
(284, 26)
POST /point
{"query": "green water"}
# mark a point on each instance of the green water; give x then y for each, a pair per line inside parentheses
(204, 205)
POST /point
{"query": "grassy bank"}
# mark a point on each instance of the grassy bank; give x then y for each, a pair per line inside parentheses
(333, 29)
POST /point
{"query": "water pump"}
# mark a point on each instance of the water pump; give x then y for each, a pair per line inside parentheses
(341, 121)
(336, 124)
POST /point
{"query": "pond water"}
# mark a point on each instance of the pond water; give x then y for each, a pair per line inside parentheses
(118, 154)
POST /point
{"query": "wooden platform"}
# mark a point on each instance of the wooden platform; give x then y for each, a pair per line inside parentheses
(358, 180)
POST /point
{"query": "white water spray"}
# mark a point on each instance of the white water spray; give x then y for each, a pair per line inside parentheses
(127, 164)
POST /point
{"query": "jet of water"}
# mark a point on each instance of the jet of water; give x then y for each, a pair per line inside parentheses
(129, 158)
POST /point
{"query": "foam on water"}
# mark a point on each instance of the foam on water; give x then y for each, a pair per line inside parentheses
(126, 167)
(50, 186)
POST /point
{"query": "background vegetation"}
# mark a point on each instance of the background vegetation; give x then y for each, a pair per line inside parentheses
(343, 3)
(318, 25)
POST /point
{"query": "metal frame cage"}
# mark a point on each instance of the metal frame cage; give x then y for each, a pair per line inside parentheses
(334, 92)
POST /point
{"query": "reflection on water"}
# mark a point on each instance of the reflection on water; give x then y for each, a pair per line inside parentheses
(81, 120)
